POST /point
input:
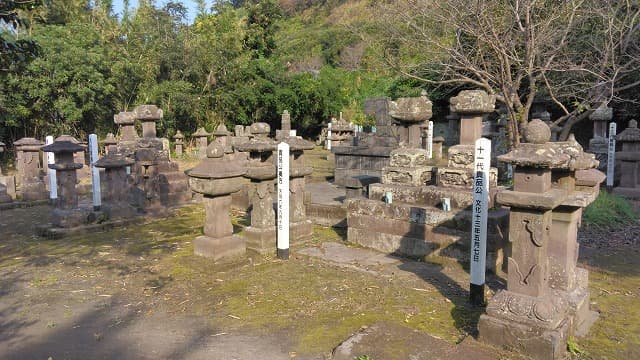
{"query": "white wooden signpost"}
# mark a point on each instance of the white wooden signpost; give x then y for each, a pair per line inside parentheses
(329, 136)
(481, 165)
(53, 182)
(95, 172)
(611, 158)
(283, 201)
(430, 140)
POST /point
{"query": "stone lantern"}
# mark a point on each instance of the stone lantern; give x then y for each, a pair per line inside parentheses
(126, 120)
(546, 299)
(78, 157)
(411, 114)
(66, 212)
(216, 177)
(300, 226)
(598, 145)
(110, 143)
(629, 158)
(115, 197)
(28, 165)
(148, 116)
(222, 136)
(472, 105)
(179, 142)
(261, 235)
(202, 141)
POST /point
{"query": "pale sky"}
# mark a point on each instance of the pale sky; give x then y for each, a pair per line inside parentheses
(189, 4)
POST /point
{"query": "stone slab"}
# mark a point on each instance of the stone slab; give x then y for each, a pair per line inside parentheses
(219, 248)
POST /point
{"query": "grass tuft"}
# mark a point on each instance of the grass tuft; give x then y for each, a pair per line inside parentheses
(609, 210)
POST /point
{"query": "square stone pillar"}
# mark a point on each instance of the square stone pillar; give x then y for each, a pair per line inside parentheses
(472, 105)
(29, 179)
(148, 115)
(126, 120)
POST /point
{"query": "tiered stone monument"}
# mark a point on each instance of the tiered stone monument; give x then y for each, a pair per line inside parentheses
(30, 184)
(178, 139)
(261, 171)
(547, 297)
(4, 196)
(66, 212)
(115, 187)
(202, 141)
(126, 121)
(629, 158)
(471, 105)
(78, 156)
(157, 181)
(598, 145)
(216, 177)
(411, 116)
(222, 136)
(300, 227)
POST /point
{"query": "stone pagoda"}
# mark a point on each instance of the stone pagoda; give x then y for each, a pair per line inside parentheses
(216, 178)
(547, 295)
(629, 158)
(179, 143)
(202, 141)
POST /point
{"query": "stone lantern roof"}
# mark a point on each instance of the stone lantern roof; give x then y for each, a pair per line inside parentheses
(602, 113)
(28, 144)
(178, 135)
(113, 161)
(411, 109)
(472, 102)
(63, 146)
(221, 130)
(148, 112)
(201, 132)
(124, 118)
(630, 134)
(538, 152)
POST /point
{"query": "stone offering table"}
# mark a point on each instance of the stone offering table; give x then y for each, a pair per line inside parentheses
(30, 184)
(629, 158)
(261, 170)
(66, 212)
(546, 298)
(216, 177)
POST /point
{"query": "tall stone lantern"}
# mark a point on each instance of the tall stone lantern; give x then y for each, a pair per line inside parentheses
(539, 309)
(216, 177)
(66, 212)
(179, 142)
(261, 235)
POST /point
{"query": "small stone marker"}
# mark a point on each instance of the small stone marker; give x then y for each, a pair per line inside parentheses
(611, 158)
(51, 159)
(481, 165)
(95, 172)
(283, 201)
(430, 140)
(329, 136)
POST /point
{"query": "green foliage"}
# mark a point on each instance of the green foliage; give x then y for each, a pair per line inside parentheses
(364, 357)
(609, 210)
(573, 348)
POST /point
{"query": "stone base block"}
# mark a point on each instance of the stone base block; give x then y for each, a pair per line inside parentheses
(537, 343)
(219, 248)
(300, 231)
(262, 241)
(629, 193)
(33, 191)
(4, 197)
(581, 316)
(412, 176)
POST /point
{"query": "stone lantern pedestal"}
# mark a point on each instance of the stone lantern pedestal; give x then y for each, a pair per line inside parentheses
(300, 227)
(261, 235)
(216, 177)
(66, 212)
(546, 294)
(115, 199)
(30, 181)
